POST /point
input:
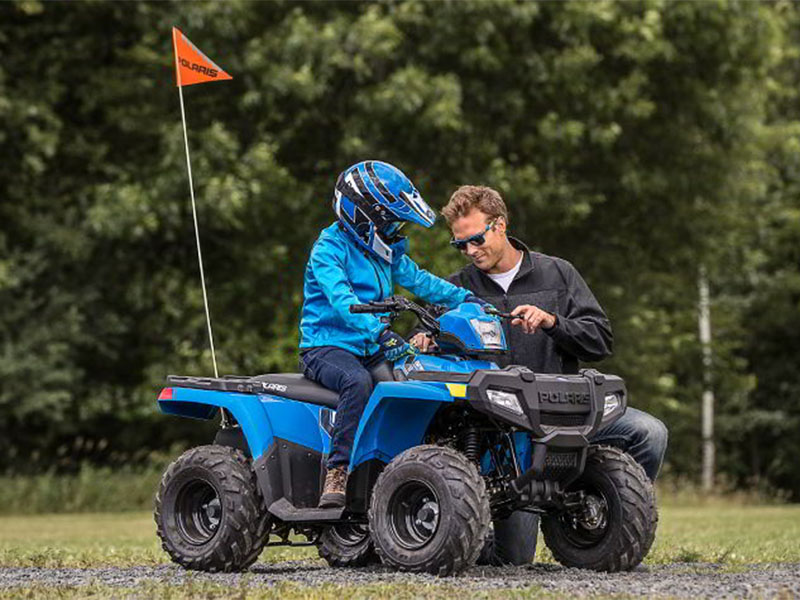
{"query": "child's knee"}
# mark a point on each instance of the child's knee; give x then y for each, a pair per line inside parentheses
(359, 384)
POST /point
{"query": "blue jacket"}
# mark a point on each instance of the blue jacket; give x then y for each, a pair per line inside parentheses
(339, 274)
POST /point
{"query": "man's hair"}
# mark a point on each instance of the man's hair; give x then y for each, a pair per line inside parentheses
(471, 197)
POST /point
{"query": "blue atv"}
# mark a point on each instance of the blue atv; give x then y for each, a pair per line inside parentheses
(447, 443)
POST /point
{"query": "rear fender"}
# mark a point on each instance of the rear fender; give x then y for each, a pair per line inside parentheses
(397, 417)
(247, 409)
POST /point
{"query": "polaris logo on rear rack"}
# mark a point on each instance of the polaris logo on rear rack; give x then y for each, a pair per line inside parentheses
(564, 398)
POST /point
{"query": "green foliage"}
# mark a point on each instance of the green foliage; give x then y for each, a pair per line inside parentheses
(638, 140)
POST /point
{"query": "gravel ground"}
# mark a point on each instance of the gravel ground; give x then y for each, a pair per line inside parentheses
(681, 580)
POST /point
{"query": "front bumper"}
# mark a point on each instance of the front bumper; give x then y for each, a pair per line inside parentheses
(563, 410)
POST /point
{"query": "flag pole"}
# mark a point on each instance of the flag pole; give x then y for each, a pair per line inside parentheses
(194, 212)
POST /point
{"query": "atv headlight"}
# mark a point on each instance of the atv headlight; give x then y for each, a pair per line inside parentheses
(507, 400)
(611, 404)
(490, 332)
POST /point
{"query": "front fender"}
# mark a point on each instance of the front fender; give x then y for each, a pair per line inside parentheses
(247, 409)
(396, 418)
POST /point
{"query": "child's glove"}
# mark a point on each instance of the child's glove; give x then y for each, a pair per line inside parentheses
(475, 300)
(394, 346)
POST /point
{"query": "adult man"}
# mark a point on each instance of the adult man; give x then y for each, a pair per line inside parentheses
(560, 323)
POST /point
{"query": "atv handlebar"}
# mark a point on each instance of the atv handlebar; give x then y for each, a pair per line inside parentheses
(397, 304)
(491, 310)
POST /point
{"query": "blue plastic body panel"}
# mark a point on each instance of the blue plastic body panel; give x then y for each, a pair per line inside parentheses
(522, 444)
(457, 323)
(261, 417)
(447, 363)
(396, 418)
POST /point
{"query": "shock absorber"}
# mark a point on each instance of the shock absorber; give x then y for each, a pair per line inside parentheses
(471, 444)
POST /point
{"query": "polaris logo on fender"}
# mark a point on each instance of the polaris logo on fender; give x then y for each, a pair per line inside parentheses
(564, 398)
(199, 68)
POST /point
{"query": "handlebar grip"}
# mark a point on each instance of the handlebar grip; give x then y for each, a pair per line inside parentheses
(360, 308)
(367, 308)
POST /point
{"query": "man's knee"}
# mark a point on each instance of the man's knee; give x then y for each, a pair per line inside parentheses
(655, 433)
(650, 438)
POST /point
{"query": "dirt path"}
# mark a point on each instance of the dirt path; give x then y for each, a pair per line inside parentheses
(686, 580)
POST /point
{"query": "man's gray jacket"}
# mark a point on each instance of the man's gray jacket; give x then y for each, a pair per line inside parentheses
(582, 331)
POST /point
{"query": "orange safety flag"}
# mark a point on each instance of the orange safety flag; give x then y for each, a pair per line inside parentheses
(191, 65)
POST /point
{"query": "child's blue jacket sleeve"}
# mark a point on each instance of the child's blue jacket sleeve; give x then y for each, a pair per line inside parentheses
(408, 274)
(327, 263)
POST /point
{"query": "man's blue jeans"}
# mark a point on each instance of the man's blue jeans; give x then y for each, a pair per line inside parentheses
(639, 434)
(349, 376)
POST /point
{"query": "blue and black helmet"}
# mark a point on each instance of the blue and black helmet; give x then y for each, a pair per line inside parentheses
(373, 200)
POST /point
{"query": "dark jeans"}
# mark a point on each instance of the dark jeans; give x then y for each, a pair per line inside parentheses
(349, 376)
(639, 434)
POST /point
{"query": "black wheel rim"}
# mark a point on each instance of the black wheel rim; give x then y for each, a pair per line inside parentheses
(588, 527)
(414, 514)
(198, 511)
(350, 535)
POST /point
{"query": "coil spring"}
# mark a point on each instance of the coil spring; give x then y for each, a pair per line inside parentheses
(471, 443)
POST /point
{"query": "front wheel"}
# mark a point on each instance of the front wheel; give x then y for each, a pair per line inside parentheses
(429, 512)
(209, 512)
(613, 525)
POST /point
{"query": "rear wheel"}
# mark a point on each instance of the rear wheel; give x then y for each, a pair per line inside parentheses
(429, 511)
(209, 512)
(346, 545)
(614, 524)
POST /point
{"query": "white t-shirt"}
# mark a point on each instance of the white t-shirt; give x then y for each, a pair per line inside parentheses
(504, 279)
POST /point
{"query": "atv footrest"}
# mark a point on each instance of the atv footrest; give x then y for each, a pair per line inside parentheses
(284, 510)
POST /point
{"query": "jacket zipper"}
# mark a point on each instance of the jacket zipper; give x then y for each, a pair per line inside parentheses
(378, 275)
(380, 286)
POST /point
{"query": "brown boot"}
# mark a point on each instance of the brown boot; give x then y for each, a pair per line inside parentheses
(334, 489)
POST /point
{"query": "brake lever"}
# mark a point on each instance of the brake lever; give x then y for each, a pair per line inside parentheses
(496, 313)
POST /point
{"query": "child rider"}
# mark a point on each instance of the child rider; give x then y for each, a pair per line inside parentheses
(355, 260)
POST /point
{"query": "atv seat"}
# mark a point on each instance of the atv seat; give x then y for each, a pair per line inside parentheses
(296, 387)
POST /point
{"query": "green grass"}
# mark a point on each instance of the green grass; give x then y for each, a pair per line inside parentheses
(282, 591)
(730, 534)
(92, 489)
(733, 535)
(83, 540)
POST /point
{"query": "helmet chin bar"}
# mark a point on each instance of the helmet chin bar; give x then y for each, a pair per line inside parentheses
(379, 247)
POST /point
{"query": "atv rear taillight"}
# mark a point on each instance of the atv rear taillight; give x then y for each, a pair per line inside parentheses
(166, 394)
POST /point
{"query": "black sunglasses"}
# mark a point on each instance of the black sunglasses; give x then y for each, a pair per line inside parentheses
(479, 239)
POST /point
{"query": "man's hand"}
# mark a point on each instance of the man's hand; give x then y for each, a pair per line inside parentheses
(423, 342)
(531, 318)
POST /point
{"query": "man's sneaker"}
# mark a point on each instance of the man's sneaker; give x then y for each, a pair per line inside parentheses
(335, 485)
